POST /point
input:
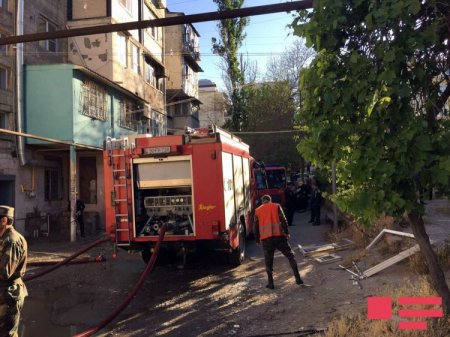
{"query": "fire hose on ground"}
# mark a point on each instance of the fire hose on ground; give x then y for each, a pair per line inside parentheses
(83, 260)
(92, 330)
(66, 260)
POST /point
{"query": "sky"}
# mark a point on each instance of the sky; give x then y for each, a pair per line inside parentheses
(267, 35)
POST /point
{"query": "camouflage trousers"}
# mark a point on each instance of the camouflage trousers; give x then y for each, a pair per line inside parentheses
(11, 303)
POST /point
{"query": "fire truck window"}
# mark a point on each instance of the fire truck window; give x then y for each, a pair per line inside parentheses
(88, 180)
(260, 183)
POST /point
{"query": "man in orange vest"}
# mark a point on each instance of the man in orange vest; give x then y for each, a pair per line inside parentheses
(272, 229)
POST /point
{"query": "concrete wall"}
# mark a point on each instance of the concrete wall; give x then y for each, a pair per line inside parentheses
(86, 9)
(54, 11)
(54, 110)
(174, 58)
(49, 107)
(100, 52)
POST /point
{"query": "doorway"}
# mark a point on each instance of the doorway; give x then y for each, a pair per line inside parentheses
(7, 183)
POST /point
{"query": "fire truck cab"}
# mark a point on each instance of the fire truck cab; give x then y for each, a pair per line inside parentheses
(270, 179)
(198, 184)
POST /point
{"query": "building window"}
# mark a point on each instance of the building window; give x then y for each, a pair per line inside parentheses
(4, 4)
(127, 114)
(126, 4)
(152, 31)
(3, 120)
(122, 49)
(135, 58)
(52, 185)
(94, 101)
(4, 48)
(46, 26)
(150, 75)
(3, 78)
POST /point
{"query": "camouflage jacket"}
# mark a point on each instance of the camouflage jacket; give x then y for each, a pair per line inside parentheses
(13, 258)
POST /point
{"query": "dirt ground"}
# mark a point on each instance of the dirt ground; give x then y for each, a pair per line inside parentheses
(208, 298)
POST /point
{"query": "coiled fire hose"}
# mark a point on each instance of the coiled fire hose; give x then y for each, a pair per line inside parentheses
(66, 260)
(92, 330)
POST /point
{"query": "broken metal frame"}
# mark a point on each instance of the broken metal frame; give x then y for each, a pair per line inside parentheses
(388, 262)
(328, 258)
(312, 250)
(388, 231)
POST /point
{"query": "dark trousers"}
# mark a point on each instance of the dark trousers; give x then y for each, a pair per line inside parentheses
(290, 215)
(280, 243)
(80, 222)
(315, 214)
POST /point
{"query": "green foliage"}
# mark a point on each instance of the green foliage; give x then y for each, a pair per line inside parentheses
(373, 100)
(270, 107)
(231, 37)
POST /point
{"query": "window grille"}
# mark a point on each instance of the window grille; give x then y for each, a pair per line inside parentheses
(127, 115)
(94, 101)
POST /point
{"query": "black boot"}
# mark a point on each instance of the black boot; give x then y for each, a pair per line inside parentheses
(270, 281)
(294, 267)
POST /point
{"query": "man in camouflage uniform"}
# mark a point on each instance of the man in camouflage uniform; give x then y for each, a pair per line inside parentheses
(13, 261)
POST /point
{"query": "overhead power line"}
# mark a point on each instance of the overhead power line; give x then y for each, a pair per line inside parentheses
(163, 22)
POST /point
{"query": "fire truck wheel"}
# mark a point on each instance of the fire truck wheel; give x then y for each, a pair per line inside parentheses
(237, 256)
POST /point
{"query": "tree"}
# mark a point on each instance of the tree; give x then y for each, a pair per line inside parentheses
(271, 107)
(289, 64)
(231, 37)
(373, 101)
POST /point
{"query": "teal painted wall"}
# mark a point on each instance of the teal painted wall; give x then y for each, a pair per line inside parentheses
(53, 107)
(48, 101)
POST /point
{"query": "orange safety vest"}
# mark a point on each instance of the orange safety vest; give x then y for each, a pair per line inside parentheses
(269, 221)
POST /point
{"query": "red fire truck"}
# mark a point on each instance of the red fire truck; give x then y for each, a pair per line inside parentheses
(270, 179)
(198, 184)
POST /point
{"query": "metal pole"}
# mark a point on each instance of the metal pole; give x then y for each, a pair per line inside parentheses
(50, 140)
(163, 22)
(73, 193)
(335, 213)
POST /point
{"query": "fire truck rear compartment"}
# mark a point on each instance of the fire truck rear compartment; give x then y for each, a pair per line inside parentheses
(163, 195)
(158, 206)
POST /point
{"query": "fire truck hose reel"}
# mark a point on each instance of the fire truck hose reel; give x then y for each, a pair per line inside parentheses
(133, 292)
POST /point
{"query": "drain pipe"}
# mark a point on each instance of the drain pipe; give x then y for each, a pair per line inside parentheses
(19, 83)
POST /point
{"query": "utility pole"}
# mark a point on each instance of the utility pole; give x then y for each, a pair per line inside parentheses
(163, 22)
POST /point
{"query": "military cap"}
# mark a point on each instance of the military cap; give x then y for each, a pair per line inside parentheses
(6, 211)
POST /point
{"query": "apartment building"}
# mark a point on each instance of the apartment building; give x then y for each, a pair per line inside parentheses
(79, 90)
(182, 62)
(215, 105)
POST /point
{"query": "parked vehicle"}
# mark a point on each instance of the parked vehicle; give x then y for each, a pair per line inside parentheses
(270, 179)
(198, 184)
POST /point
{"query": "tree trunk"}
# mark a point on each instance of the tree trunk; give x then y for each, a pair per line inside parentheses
(436, 274)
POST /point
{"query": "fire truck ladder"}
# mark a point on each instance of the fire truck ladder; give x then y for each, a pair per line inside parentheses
(121, 197)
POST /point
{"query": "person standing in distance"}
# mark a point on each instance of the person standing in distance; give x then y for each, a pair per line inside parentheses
(79, 215)
(13, 262)
(271, 228)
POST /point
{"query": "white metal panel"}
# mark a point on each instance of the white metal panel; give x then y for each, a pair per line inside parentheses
(246, 173)
(163, 172)
(238, 185)
(228, 190)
